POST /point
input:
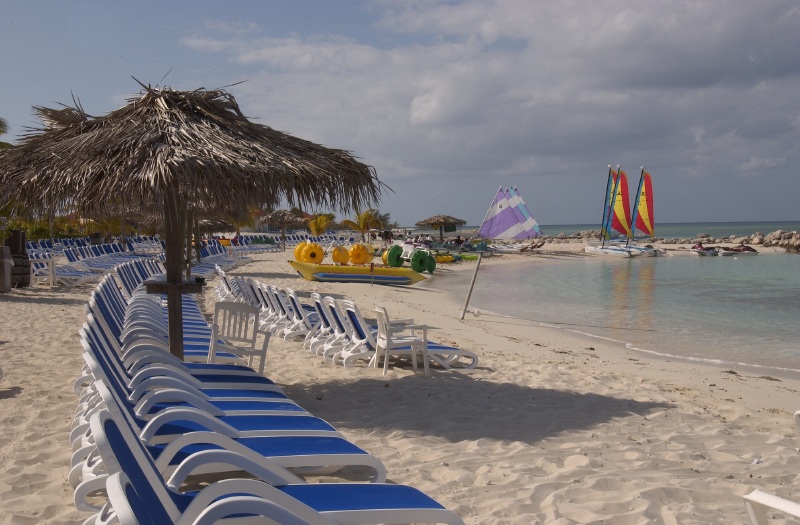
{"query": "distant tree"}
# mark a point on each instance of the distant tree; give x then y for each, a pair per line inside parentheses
(363, 222)
(3, 131)
(386, 220)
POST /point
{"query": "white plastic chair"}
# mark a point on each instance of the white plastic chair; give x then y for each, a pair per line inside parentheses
(237, 325)
(399, 339)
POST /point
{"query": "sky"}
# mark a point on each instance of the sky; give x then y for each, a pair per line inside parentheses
(450, 100)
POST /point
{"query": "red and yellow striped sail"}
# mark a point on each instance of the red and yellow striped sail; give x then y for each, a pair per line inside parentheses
(645, 221)
(621, 216)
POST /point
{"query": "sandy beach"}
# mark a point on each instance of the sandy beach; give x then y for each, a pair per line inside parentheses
(550, 428)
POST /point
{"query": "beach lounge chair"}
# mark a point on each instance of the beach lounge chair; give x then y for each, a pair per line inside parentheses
(341, 336)
(142, 495)
(304, 319)
(324, 329)
(363, 343)
(291, 437)
(279, 315)
(758, 503)
(305, 453)
(446, 356)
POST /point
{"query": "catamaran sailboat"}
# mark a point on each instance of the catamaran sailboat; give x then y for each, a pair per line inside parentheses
(616, 213)
(617, 217)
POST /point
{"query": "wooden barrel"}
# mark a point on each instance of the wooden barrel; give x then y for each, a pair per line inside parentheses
(21, 271)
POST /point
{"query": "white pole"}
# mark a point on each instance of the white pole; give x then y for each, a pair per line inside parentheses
(472, 284)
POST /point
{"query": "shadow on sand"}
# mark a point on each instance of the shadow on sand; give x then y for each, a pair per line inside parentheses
(457, 407)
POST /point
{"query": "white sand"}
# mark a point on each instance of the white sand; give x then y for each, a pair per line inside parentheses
(551, 428)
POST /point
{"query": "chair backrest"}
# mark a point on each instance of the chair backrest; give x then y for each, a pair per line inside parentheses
(341, 327)
(384, 326)
(278, 301)
(246, 290)
(362, 333)
(122, 451)
(298, 310)
(236, 322)
(316, 300)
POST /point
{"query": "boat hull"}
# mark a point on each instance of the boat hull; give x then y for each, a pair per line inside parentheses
(356, 274)
(607, 250)
(736, 252)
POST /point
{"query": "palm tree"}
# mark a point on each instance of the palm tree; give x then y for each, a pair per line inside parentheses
(364, 222)
(319, 224)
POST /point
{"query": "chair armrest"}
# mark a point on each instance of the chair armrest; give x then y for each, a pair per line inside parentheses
(758, 502)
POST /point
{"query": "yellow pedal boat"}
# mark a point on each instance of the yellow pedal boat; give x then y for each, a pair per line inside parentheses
(356, 274)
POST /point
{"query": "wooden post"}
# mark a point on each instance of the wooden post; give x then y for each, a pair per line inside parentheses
(197, 246)
(186, 229)
(174, 266)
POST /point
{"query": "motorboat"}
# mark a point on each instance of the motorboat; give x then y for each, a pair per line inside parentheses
(699, 249)
(741, 249)
(608, 249)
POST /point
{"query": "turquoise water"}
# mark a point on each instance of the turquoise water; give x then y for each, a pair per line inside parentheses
(728, 310)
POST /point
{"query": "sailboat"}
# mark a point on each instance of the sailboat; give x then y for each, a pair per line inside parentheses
(509, 219)
(616, 213)
(643, 218)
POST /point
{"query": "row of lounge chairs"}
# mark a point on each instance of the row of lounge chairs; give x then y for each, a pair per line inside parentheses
(56, 245)
(45, 270)
(135, 243)
(338, 332)
(150, 428)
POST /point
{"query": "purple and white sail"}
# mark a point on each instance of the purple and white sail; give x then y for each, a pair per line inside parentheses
(508, 218)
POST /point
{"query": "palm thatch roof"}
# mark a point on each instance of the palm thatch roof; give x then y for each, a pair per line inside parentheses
(437, 221)
(282, 219)
(183, 153)
(196, 140)
(440, 222)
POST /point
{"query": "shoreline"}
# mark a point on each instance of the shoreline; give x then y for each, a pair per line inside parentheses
(550, 428)
(616, 337)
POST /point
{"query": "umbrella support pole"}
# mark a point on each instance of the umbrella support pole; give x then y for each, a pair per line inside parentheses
(472, 284)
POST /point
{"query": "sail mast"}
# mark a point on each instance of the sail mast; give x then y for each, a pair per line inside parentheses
(637, 200)
(608, 205)
(643, 218)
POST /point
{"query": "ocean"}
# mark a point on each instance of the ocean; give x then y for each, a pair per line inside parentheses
(731, 311)
(675, 230)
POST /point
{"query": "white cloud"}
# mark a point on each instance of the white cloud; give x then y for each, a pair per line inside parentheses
(479, 91)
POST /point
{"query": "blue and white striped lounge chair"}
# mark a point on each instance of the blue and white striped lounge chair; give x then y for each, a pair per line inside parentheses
(138, 494)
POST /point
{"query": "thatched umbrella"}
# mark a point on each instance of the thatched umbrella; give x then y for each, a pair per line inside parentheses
(283, 219)
(438, 222)
(180, 152)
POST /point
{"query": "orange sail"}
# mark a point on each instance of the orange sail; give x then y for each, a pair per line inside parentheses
(644, 220)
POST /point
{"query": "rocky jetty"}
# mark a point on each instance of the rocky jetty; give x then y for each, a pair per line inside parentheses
(789, 240)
